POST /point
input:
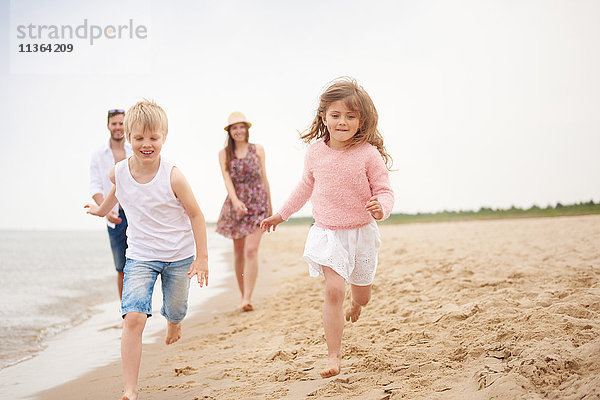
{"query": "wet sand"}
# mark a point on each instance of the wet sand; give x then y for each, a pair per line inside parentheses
(497, 309)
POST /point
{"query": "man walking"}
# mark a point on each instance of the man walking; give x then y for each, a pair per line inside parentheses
(113, 151)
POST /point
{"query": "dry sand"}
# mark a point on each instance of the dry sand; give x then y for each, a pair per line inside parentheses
(502, 309)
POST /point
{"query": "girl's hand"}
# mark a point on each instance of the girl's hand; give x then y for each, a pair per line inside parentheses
(240, 208)
(272, 221)
(374, 207)
(92, 208)
(199, 268)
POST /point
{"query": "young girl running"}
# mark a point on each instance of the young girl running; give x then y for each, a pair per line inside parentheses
(346, 177)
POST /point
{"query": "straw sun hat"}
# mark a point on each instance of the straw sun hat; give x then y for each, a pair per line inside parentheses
(236, 117)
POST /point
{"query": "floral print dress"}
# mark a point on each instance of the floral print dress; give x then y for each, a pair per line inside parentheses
(246, 176)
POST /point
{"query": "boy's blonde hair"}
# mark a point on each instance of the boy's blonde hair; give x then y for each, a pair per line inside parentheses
(355, 98)
(149, 115)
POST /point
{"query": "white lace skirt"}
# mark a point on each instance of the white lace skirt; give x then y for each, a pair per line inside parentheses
(351, 253)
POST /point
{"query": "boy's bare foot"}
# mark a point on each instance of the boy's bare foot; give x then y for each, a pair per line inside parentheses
(130, 396)
(332, 368)
(173, 332)
(247, 307)
(353, 312)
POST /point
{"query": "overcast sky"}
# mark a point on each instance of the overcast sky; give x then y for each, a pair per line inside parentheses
(481, 103)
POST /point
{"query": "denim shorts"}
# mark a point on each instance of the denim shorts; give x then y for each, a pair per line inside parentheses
(138, 286)
(118, 241)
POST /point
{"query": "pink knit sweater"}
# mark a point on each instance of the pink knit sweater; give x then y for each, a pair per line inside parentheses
(339, 184)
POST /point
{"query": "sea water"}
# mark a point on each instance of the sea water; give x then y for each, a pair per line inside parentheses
(60, 306)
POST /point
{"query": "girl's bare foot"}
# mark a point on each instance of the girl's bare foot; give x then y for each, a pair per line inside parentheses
(247, 307)
(332, 368)
(353, 312)
(130, 395)
(173, 332)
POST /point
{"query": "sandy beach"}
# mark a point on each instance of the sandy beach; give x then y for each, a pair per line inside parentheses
(496, 309)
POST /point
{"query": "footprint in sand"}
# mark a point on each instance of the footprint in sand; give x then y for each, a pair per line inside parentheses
(116, 326)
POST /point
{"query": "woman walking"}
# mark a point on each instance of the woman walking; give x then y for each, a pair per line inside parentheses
(248, 201)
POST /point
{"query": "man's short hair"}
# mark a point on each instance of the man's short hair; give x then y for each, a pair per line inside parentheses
(113, 112)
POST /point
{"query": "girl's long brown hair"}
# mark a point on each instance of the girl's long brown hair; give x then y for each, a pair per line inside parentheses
(356, 98)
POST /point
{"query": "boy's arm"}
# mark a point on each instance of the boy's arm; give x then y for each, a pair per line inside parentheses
(98, 197)
(108, 203)
(183, 192)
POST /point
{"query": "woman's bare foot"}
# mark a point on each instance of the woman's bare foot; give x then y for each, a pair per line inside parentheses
(332, 368)
(173, 332)
(247, 307)
(353, 312)
(130, 395)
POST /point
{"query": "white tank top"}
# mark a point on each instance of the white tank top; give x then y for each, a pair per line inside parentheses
(158, 228)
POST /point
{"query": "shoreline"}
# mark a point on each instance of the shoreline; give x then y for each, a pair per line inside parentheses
(478, 309)
(95, 384)
(95, 341)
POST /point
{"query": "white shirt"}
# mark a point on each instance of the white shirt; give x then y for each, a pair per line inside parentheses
(158, 228)
(102, 161)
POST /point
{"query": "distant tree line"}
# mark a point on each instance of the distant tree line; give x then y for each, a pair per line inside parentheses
(582, 208)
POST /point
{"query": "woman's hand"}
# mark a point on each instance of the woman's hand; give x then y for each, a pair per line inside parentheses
(239, 207)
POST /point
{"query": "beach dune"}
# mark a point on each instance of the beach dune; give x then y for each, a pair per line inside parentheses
(496, 309)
